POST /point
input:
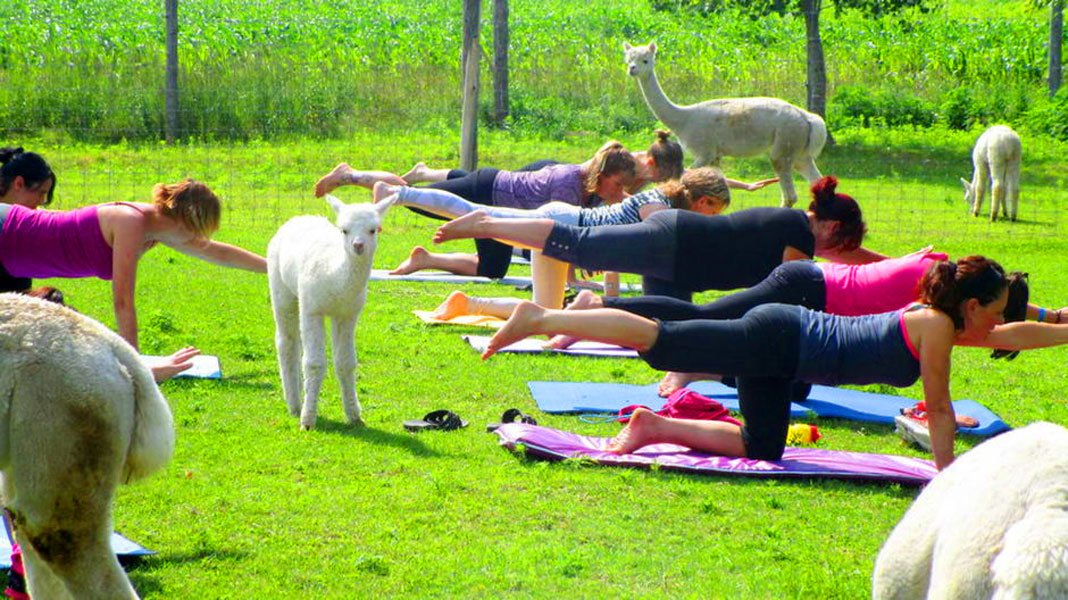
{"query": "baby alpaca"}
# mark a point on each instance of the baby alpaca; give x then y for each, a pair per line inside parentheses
(79, 414)
(317, 269)
(994, 524)
(996, 159)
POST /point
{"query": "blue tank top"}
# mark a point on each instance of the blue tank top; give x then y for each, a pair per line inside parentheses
(855, 350)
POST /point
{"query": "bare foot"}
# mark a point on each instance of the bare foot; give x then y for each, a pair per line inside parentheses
(416, 174)
(332, 180)
(453, 306)
(383, 190)
(583, 301)
(639, 432)
(522, 324)
(674, 380)
(466, 226)
(416, 261)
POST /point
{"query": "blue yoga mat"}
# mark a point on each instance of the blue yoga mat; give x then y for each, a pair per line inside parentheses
(824, 401)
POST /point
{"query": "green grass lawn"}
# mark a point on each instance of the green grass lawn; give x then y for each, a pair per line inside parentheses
(251, 507)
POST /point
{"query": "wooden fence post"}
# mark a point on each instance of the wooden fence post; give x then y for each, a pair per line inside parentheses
(500, 62)
(171, 131)
(472, 56)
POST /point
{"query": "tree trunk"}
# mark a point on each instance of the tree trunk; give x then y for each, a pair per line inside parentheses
(471, 58)
(170, 128)
(1056, 31)
(500, 62)
(816, 85)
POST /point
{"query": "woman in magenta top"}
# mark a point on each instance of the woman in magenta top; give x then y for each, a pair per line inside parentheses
(108, 240)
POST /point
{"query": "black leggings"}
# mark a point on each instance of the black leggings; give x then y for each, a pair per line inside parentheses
(476, 186)
(760, 349)
(797, 282)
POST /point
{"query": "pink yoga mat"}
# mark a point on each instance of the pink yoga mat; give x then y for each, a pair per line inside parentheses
(553, 444)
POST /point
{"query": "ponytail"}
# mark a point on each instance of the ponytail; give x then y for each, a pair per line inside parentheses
(947, 285)
(830, 206)
(667, 156)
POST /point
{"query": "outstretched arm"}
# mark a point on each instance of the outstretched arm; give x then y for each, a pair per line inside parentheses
(856, 256)
(221, 253)
(1023, 336)
(751, 187)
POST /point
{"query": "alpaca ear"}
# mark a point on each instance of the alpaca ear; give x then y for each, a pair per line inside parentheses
(967, 184)
(334, 203)
(652, 46)
(626, 46)
(383, 205)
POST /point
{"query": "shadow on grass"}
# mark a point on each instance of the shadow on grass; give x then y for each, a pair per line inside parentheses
(379, 437)
(142, 571)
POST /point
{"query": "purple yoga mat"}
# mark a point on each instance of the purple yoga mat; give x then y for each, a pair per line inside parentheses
(553, 444)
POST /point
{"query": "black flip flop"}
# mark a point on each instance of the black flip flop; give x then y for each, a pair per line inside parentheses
(512, 415)
(441, 420)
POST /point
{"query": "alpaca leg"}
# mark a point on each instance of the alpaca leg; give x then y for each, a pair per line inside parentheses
(997, 196)
(783, 168)
(808, 169)
(1012, 189)
(980, 181)
(313, 344)
(61, 507)
(287, 344)
(344, 334)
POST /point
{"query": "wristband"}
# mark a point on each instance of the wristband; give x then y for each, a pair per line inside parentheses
(1041, 315)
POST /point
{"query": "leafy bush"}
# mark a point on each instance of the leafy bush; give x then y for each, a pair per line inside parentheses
(857, 105)
(1050, 116)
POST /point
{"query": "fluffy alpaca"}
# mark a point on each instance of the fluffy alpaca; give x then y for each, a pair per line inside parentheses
(79, 414)
(994, 524)
(318, 269)
(996, 160)
(793, 137)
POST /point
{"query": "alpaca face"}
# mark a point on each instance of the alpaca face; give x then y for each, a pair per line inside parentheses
(640, 60)
(969, 193)
(360, 224)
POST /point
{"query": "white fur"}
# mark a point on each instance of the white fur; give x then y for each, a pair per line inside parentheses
(317, 269)
(996, 160)
(994, 524)
(793, 137)
(79, 414)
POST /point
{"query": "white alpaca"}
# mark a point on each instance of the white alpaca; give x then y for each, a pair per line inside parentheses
(793, 137)
(317, 269)
(996, 159)
(79, 414)
(994, 524)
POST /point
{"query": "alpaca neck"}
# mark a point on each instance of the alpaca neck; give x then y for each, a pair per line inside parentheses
(669, 113)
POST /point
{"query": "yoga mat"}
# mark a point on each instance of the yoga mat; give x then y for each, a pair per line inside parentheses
(535, 346)
(575, 397)
(122, 546)
(824, 401)
(552, 444)
(204, 366)
(440, 277)
(468, 320)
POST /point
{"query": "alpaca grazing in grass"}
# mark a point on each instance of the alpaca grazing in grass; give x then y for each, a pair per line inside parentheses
(793, 137)
(318, 269)
(994, 524)
(80, 415)
(996, 161)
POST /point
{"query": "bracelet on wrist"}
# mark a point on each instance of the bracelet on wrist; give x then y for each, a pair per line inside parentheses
(1041, 315)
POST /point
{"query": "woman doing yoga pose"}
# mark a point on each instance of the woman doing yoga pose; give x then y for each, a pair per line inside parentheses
(962, 303)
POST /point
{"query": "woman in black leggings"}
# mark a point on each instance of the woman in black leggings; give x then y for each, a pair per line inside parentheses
(962, 303)
(681, 252)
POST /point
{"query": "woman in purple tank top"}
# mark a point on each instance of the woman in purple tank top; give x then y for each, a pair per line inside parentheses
(108, 240)
(771, 347)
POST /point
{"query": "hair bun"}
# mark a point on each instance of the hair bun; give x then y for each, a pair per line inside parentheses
(6, 154)
(663, 135)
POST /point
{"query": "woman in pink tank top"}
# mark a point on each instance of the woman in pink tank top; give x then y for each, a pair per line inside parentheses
(108, 240)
